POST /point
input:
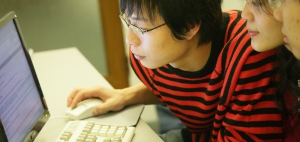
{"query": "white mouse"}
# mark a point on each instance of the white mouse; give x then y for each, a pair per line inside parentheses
(83, 109)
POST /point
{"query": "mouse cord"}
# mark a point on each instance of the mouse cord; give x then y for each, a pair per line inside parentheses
(58, 117)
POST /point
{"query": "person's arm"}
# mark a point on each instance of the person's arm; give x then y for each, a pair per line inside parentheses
(139, 94)
(114, 99)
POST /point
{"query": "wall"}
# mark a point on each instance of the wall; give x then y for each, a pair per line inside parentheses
(233, 4)
(53, 24)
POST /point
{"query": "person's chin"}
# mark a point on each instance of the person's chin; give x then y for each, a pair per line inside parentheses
(260, 49)
(256, 47)
(149, 66)
(288, 46)
(297, 56)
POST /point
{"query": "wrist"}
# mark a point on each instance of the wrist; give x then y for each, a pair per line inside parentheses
(129, 96)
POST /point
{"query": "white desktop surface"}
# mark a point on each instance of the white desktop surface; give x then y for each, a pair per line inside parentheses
(59, 72)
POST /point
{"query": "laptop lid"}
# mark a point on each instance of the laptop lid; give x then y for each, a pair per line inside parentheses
(23, 111)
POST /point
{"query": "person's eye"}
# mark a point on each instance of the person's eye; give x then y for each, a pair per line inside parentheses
(129, 22)
(137, 25)
(143, 29)
(255, 3)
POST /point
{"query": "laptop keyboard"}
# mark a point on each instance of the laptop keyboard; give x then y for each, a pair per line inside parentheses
(87, 131)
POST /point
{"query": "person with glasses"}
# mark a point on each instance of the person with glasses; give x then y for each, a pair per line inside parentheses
(263, 28)
(198, 61)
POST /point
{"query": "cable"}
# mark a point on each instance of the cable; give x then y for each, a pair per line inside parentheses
(59, 117)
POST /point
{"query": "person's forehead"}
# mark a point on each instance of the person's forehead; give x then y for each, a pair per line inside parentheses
(143, 12)
(145, 16)
(141, 16)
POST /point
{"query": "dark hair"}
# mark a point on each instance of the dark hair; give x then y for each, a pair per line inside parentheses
(180, 15)
(288, 69)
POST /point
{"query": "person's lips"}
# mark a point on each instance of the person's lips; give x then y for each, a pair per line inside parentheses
(138, 57)
(285, 39)
(252, 33)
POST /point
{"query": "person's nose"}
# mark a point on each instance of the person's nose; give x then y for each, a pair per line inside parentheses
(246, 13)
(132, 38)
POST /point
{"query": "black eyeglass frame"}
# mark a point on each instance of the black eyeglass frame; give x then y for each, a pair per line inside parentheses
(126, 23)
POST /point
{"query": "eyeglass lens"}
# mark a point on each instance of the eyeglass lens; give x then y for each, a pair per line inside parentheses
(126, 23)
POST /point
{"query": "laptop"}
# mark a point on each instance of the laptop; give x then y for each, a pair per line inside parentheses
(23, 111)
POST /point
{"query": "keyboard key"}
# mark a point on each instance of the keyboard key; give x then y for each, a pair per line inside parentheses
(85, 131)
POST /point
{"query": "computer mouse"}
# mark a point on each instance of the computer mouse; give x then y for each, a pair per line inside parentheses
(83, 109)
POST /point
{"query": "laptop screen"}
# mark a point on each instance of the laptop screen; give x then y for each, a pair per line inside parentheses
(21, 103)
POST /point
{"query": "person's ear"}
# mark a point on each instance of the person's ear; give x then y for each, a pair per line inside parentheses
(192, 32)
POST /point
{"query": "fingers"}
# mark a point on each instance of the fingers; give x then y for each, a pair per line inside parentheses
(104, 108)
(77, 95)
(71, 97)
(113, 99)
(109, 105)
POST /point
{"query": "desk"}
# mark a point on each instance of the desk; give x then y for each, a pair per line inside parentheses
(60, 71)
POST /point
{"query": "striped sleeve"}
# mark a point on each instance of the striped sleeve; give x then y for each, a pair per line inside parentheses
(247, 110)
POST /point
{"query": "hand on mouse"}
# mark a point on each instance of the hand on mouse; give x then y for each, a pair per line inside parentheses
(113, 99)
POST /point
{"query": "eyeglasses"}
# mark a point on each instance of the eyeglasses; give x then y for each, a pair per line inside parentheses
(135, 29)
(274, 3)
